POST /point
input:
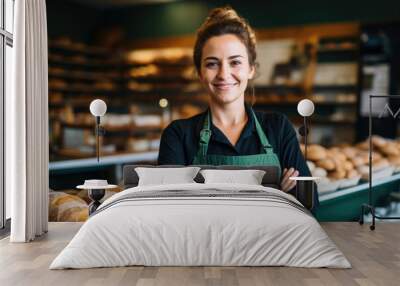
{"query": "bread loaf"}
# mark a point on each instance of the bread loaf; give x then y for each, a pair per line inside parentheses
(348, 166)
(351, 174)
(390, 149)
(316, 152)
(337, 174)
(65, 207)
(327, 164)
(394, 161)
(302, 148)
(363, 146)
(378, 141)
(380, 164)
(350, 152)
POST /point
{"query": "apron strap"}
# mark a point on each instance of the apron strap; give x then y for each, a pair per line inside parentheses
(205, 135)
(263, 138)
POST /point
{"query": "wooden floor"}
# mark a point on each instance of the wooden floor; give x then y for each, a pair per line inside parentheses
(374, 255)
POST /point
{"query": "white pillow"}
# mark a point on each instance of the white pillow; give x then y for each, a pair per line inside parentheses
(248, 177)
(165, 176)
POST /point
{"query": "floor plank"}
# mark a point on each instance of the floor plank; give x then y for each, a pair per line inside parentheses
(374, 255)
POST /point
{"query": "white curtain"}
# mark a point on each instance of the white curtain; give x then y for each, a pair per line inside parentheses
(27, 124)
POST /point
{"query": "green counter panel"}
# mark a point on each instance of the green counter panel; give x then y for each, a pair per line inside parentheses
(345, 205)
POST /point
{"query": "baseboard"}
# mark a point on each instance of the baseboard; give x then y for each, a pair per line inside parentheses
(5, 231)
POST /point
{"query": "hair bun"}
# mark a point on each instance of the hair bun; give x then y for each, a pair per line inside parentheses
(223, 14)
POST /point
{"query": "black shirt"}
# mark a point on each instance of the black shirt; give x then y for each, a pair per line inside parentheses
(180, 141)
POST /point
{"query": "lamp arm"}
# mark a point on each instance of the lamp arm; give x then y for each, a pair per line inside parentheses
(98, 138)
(305, 137)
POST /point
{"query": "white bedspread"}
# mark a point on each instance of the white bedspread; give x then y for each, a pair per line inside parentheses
(182, 231)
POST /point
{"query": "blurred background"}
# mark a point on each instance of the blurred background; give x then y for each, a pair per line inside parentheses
(136, 55)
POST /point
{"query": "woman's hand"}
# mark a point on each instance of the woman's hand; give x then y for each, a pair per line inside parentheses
(286, 184)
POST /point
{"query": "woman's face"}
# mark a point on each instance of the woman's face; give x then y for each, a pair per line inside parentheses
(225, 68)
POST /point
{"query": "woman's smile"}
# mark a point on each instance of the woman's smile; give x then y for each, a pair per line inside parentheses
(223, 86)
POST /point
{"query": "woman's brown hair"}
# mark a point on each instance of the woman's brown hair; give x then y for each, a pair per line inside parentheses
(222, 21)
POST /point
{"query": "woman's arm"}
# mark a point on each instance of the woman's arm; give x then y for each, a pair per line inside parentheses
(171, 147)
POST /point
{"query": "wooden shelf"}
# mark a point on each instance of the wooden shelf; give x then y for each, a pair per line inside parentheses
(160, 64)
(162, 79)
(88, 90)
(84, 61)
(337, 49)
(97, 76)
(315, 120)
(92, 76)
(165, 92)
(284, 88)
(79, 48)
(132, 128)
(335, 88)
(294, 103)
(77, 154)
(87, 63)
(89, 162)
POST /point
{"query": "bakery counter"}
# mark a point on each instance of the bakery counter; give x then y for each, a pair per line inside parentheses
(345, 204)
(70, 173)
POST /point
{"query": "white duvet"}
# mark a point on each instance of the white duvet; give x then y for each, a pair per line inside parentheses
(183, 231)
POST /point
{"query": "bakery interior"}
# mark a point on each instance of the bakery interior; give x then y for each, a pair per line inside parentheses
(137, 56)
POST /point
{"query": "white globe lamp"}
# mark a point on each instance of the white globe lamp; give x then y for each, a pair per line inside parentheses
(98, 108)
(305, 108)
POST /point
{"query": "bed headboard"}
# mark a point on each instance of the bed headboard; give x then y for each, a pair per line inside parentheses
(271, 177)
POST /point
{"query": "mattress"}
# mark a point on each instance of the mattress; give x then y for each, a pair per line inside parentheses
(201, 225)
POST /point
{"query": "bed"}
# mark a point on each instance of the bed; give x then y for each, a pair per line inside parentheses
(201, 224)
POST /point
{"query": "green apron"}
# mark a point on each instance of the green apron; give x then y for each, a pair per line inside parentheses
(267, 157)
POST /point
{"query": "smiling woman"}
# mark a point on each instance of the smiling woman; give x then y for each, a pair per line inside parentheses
(230, 132)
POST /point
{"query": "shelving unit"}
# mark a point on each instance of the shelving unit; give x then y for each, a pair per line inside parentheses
(79, 73)
(319, 63)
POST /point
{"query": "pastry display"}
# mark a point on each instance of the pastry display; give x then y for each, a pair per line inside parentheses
(347, 164)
